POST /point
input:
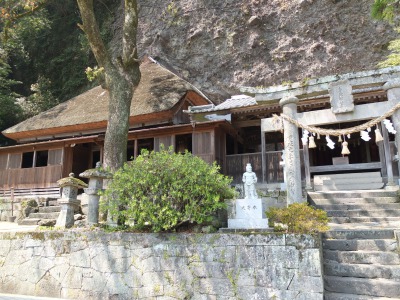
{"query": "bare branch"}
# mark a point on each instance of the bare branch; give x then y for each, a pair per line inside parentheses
(130, 60)
(91, 29)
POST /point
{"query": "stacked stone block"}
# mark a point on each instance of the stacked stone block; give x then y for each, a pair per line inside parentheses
(96, 265)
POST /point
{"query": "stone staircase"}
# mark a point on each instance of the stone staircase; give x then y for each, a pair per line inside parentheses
(47, 215)
(360, 252)
(348, 181)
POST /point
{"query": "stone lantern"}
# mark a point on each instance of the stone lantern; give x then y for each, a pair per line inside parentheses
(96, 177)
(68, 200)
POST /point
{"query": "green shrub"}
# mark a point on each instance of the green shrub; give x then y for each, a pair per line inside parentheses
(298, 218)
(162, 190)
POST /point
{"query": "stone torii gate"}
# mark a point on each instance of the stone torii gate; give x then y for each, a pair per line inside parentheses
(340, 89)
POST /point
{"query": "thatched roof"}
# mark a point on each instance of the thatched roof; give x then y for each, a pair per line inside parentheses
(159, 91)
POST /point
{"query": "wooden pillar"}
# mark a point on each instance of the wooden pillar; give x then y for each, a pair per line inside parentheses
(34, 159)
(382, 156)
(263, 158)
(135, 149)
(306, 158)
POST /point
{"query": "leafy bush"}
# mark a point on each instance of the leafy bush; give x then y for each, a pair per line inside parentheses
(298, 218)
(162, 190)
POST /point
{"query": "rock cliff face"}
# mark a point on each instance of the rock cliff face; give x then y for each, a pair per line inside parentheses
(222, 45)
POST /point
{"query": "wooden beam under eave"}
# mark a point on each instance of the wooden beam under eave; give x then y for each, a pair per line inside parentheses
(173, 129)
(248, 123)
(48, 145)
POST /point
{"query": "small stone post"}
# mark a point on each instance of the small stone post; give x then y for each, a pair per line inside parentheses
(96, 177)
(68, 201)
(292, 154)
(282, 164)
(392, 88)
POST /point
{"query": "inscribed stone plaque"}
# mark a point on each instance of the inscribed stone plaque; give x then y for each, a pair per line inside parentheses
(249, 215)
(341, 97)
(248, 209)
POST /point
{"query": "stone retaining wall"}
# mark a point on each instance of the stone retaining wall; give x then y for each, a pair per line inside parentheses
(97, 265)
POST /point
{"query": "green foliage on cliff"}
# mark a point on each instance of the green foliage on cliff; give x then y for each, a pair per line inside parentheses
(385, 10)
(10, 111)
(389, 10)
(162, 190)
(49, 53)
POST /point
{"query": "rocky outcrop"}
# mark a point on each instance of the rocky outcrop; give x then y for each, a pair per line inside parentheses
(222, 45)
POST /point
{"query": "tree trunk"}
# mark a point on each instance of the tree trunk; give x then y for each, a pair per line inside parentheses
(122, 76)
(115, 144)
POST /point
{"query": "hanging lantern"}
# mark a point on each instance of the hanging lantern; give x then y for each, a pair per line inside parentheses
(311, 143)
(378, 135)
(348, 136)
(340, 139)
(345, 149)
(318, 136)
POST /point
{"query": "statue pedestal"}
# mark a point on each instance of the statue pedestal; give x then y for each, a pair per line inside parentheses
(248, 215)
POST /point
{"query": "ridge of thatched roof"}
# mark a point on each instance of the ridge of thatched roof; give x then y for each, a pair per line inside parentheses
(159, 91)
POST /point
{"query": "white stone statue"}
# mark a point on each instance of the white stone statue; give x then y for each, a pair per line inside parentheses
(249, 179)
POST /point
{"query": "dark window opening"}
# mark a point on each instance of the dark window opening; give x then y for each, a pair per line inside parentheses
(183, 142)
(27, 160)
(41, 158)
(145, 144)
(251, 139)
(360, 151)
(230, 145)
(130, 153)
(273, 141)
(95, 158)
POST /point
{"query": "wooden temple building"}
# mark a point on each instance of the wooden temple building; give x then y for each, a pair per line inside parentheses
(168, 110)
(69, 137)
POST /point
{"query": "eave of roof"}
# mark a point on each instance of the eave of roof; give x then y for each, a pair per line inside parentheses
(132, 134)
(156, 96)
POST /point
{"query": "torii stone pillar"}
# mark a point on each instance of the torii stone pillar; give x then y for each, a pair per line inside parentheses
(292, 154)
(393, 94)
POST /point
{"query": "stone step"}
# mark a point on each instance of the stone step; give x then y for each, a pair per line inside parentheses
(364, 213)
(365, 206)
(352, 194)
(341, 296)
(355, 180)
(53, 202)
(29, 221)
(49, 209)
(47, 222)
(354, 201)
(51, 215)
(332, 186)
(363, 286)
(362, 257)
(355, 174)
(349, 175)
(354, 245)
(362, 271)
(368, 234)
(377, 220)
